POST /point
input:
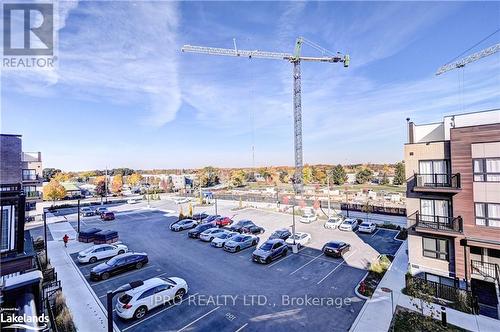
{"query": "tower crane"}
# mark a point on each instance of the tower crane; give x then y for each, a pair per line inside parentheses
(295, 59)
(468, 59)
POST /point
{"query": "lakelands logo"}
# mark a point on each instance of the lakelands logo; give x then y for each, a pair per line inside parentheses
(24, 322)
(28, 35)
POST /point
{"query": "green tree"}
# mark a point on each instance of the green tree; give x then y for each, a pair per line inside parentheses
(364, 175)
(284, 176)
(307, 174)
(385, 180)
(399, 176)
(48, 173)
(208, 176)
(54, 191)
(237, 178)
(338, 175)
(319, 175)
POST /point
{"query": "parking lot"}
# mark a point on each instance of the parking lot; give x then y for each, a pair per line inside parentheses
(229, 292)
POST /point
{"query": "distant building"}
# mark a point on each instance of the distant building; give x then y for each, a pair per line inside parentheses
(32, 179)
(351, 178)
(72, 190)
(453, 203)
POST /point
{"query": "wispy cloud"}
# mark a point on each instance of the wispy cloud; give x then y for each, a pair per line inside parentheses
(115, 52)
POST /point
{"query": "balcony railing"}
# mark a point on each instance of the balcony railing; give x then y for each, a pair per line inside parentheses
(31, 177)
(437, 181)
(33, 194)
(438, 223)
(485, 269)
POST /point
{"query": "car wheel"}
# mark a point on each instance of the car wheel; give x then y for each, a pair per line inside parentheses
(180, 294)
(284, 253)
(140, 312)
(138, 265)
(105, 276)
(93, 260)
(121, 252)
(238, 248)
(254, 242)
(268, 260)
(298, 246)
(211, 239)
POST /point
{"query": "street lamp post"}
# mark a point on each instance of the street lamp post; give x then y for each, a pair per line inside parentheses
(45, 233)
(111, 294)
(215, 198)
(78, 216)
(388, 290)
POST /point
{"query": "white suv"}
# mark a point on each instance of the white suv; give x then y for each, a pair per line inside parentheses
(308, 218)
(135, 303)
(334, 222)
(101, 251)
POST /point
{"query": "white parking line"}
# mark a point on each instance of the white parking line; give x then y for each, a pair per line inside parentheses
(312, 260)
(329, 273)
(282, 259)
(241, 328)
(375, 232)
(156, 313)
(159, 275)
(208, 313)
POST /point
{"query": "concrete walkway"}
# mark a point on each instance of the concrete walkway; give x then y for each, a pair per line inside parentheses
(88, 312)
(376, 314)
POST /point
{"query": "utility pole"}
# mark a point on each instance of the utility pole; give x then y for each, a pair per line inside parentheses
(106, 185)
(78, 216)
(346, 200)
(328, 184)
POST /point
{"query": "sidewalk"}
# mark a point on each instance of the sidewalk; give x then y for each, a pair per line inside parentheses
(88, 312)
(376, 314)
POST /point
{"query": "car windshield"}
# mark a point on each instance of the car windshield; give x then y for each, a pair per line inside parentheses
(333, 244)
(365, 224)
(238, 238)
(349, 222)
(125, 298)
(88, 250)
(222, 235)
(296, 236)
(112, 261)
(266, 246)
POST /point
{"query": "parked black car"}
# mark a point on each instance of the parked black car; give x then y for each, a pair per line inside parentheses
(210, 218)
(336, 248)
(281, 234)
(269, 250)
(238, 227)
(253, 229)
(195, 232)
(199, 216)
(118, 264)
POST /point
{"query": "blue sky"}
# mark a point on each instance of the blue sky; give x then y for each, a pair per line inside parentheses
(124, 95)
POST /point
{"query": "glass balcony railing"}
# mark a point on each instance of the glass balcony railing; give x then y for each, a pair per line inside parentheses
(437, 223)
(30, 177)
(437, 181)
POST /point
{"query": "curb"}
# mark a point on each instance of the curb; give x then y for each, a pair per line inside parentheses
(366, 298)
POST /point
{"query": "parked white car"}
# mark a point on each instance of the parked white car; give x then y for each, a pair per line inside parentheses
(334, 222)
(367, 227)
(221, 238)
(86, 211)
(350, 225)
(101, 251)
(180, 200)
(301, 239)
(133, 200)
(135, 303)
(210, 234)
(308, 218)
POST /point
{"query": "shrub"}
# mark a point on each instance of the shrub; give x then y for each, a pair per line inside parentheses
(381, 265)
(64, 321)
(403, 234)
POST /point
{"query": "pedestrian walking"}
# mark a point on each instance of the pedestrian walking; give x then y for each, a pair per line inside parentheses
(65, 240)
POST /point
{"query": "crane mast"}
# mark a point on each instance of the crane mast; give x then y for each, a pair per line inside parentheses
(295, 59)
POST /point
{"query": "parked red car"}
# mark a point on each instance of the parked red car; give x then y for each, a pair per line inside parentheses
(108, 216)
(223, 221)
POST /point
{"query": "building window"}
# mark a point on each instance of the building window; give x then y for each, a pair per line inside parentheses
(435, 248)
(433, 172)
(30, 191)
(7, 225)
(434, 210)
(486, 170)
(487, 214)
(29, 174)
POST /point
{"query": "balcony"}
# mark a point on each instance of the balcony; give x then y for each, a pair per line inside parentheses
(485, 270)
(33, 194)
(437, 224)
(437, 183)
(31, 177)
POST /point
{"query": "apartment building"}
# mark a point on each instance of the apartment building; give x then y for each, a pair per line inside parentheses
(32, 181)
(453, 203)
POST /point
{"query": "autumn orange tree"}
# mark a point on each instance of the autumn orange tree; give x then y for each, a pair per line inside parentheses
(54, 191)
(134, 179)
(117, 184)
